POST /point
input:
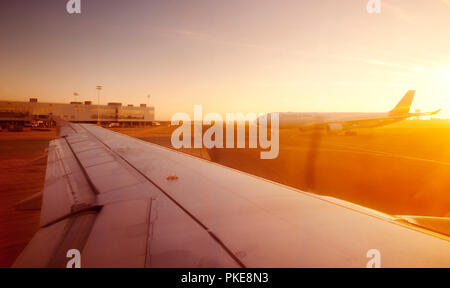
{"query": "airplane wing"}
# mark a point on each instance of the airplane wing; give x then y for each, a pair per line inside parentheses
(378, 121)
(123, 202)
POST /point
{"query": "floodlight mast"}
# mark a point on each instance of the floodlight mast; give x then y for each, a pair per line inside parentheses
(99, 88)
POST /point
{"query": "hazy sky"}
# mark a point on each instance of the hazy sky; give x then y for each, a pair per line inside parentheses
(229, 55)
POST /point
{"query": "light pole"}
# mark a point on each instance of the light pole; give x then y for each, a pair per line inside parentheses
(75, 94)
(148, 106)
(99, 87)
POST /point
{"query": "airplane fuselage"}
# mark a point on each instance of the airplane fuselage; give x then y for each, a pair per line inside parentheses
(347, 120)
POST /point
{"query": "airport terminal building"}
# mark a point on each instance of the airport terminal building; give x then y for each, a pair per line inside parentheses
(23, 113)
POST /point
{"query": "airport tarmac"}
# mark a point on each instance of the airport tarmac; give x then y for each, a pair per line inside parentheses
(23, 160)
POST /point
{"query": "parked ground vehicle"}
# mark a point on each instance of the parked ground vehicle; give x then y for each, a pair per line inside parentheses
(114, 125)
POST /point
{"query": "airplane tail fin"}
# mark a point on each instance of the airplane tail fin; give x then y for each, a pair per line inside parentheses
(404, 105)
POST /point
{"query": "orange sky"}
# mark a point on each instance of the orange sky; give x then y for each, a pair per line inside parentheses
(229, 56)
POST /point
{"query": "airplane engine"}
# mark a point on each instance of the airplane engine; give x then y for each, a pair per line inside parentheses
(335, 128)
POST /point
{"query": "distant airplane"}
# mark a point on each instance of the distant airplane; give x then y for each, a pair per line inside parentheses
(337, 122)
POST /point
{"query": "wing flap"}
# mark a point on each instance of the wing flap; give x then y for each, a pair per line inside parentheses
(151, 233)
(50, 244)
